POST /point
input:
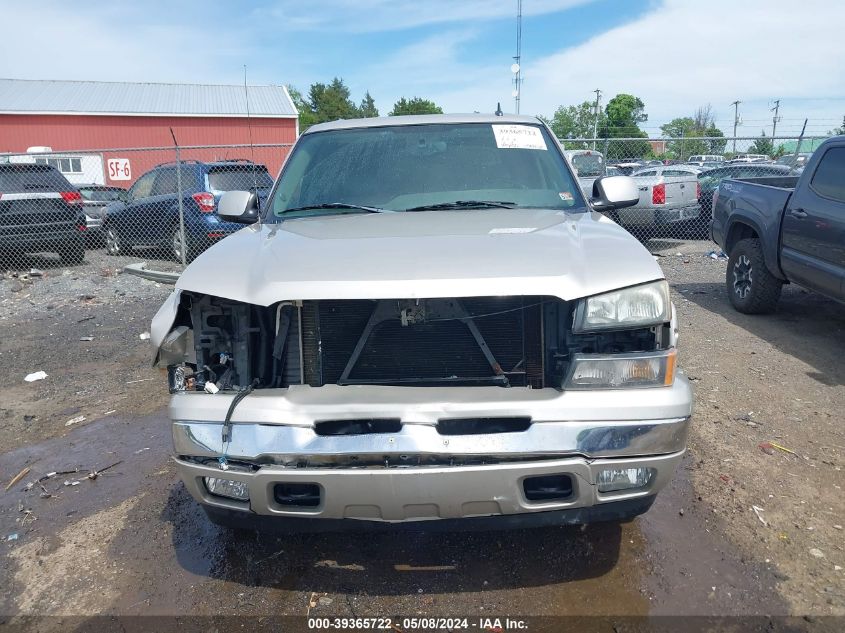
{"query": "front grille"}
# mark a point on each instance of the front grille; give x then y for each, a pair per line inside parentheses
(474, 341)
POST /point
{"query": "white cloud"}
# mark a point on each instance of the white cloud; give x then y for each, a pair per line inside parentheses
(679, 55)
(361, 16)
(675, 58)
(685, 54)
(116, 43)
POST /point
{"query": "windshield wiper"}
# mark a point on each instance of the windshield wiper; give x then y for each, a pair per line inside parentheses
(466, 204)
(337, 205)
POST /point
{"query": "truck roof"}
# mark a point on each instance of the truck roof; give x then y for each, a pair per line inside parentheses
(422, 119)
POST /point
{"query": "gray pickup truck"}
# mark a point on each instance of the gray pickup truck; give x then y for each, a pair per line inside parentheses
(784, 229)
(428, 322)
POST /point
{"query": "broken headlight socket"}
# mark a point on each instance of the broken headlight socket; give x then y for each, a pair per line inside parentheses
(624, 479)
(228, 488)
(180, 378)
(622, 371)
(629, 308)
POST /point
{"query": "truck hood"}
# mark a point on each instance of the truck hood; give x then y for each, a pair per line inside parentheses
(417, 255)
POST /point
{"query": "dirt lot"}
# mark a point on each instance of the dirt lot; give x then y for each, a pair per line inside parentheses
(741, 531)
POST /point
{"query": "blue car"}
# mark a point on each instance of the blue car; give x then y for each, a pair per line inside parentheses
(149, 214)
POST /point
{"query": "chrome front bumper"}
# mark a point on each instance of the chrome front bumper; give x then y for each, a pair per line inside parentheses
(573, 433)
(425, 493)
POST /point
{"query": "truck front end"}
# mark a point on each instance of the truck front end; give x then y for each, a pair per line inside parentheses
(430, 323)
(529, 409)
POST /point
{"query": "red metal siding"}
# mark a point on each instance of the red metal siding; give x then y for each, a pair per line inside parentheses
(75, 133)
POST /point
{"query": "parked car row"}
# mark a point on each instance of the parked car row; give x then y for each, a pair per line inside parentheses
(41, 211)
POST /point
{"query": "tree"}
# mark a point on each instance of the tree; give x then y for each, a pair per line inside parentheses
(570, 122)
(623, 114)
(683, 131)
(762, 145)
(368, 106)
(697, 134)
(704, 118)
(838, 130)
(415, 105)
(306, 116)
(331, 102)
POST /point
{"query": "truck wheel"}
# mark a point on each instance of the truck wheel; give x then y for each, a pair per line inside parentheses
(752, 289)
(74, 254)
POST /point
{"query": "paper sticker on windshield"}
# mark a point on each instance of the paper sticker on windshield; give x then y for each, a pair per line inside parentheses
(518, 137)
(565, 196)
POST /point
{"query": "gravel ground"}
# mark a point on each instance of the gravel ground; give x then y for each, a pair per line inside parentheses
(774, 379)
(132, 541)
(47, 321)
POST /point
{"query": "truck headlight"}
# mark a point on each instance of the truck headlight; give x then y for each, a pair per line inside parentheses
(638, 306)
(622, 371)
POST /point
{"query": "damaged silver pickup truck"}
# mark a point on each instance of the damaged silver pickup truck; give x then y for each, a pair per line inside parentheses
(427, 321)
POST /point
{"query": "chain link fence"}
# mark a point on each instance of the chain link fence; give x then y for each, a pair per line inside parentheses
(677, 177)
(124, 205)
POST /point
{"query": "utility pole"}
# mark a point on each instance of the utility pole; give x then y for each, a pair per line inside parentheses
(517, 65)
(596, 118)
(735, 104)
(775, 118)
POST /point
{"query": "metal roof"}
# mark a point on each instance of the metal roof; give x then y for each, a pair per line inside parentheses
(27, 96)
(422, 119)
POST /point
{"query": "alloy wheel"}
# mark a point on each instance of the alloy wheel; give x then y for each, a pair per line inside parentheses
(113, 246)
(742, 276)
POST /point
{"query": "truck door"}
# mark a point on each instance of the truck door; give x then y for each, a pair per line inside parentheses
(813, 237)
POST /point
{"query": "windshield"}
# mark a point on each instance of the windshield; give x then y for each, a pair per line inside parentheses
(588, 165)
(404, 167)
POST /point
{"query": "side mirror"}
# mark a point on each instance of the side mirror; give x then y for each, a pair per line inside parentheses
(238, 206)
(614, 192)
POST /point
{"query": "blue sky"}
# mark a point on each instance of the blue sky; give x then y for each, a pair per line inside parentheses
(675, 55)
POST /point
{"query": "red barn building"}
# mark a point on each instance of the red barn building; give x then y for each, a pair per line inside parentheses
(112, 132)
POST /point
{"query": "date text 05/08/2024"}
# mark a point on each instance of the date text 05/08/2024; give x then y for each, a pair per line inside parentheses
(486, 624)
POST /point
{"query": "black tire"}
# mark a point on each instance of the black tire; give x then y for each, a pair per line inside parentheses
(752, 289)
(74, 254)
(114, 243)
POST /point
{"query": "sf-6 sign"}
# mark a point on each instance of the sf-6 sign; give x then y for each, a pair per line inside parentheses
(118, 169)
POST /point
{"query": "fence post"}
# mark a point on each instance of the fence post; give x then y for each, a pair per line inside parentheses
(184, 248)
